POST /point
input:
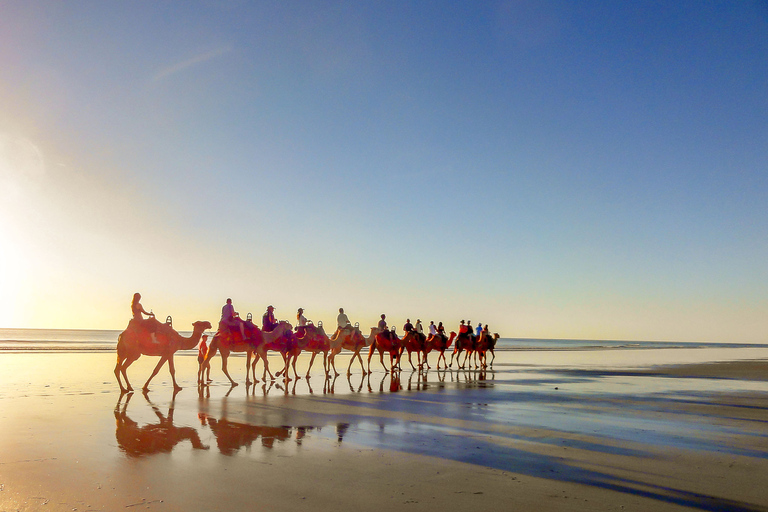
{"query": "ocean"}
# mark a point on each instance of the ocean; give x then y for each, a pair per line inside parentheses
(101, 340)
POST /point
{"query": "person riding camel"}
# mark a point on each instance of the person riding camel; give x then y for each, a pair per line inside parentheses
(419, 328)
(268, 322)
(432, 330)
(463, 331)
(301, 322)
(408, 327)
(342, 323)
(479, 330)
(231, 319)
(382, 326)
(137, 310)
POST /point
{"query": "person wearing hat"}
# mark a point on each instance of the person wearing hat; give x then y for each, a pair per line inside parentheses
(268, 321)
(419, 328)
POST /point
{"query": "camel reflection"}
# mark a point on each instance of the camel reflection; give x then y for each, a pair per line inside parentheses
(161, 437)
(231, 435)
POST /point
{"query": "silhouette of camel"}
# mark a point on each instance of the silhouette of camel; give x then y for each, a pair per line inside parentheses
(136, 341)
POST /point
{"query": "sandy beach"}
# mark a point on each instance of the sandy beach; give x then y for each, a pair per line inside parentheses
(605, 431)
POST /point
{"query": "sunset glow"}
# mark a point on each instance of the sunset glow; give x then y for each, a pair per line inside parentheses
(538, 167)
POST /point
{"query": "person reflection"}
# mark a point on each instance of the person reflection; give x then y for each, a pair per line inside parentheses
(161, 437)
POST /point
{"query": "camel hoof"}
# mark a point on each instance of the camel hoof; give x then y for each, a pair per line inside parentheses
(177, 388)
(234, 384)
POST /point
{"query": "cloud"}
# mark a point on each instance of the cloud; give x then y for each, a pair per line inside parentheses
(194, 61)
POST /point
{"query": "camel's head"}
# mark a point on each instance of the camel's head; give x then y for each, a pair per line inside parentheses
(202, 325)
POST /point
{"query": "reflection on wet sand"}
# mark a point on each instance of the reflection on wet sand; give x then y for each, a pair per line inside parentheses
(231, 435)
(161, 437)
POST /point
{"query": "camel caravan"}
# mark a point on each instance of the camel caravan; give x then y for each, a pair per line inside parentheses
(150, 337)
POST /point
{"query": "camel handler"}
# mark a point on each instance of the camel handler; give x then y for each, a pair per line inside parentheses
(342, 322)
(230, 318)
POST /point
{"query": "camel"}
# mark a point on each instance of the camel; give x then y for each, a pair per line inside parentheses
(280, 339)
(385, 341)
(136, 341)
(313, 340)
(441, 343)
(486, 342)
(464, 342)
(227, 341)
(152, 438)
(255, 345)
(416, 342)
(349, 339)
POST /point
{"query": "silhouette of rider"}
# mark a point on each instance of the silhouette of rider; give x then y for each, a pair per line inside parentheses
(231, 318)
(268, 321)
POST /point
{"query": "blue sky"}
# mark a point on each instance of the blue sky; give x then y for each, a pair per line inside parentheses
(555, 169)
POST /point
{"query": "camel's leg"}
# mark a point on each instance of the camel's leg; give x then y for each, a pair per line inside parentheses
(409, 361)
(294, 359)
(360, 358)
(154, 372)
(124, 371)
(266, 366)
(370, 354)
(172, 368)
(426, 362)
(333, 360)
(224, 359)
(381, 358)
(117, 374)
(311, 361)
(248, 358)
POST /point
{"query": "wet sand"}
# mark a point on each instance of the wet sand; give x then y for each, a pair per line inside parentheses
(598, 435)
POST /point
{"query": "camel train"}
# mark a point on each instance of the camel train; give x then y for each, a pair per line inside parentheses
(149, 337)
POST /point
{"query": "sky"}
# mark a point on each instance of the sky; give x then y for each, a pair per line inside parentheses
(554, 169)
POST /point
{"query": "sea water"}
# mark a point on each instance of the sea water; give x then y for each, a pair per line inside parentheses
(95, 340)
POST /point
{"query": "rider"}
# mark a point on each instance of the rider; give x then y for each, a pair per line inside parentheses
(342, 322)
(432, 330)
(440, 329)
(408, 327)
(137, 310)
(479, 330)
(231, 318)
(383, 323)
(419, 328)
(268, 322)
(301, 322)
(463, 330)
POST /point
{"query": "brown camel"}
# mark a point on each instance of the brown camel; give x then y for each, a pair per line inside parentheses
(313, 339)
(136, 341)
(486, 342)
(349, 339)
(254, 345)
(416, 342)
(385, 341)
(227, 340)
(441, 343)
(281, 339)
(278, 339)
(464, 342)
